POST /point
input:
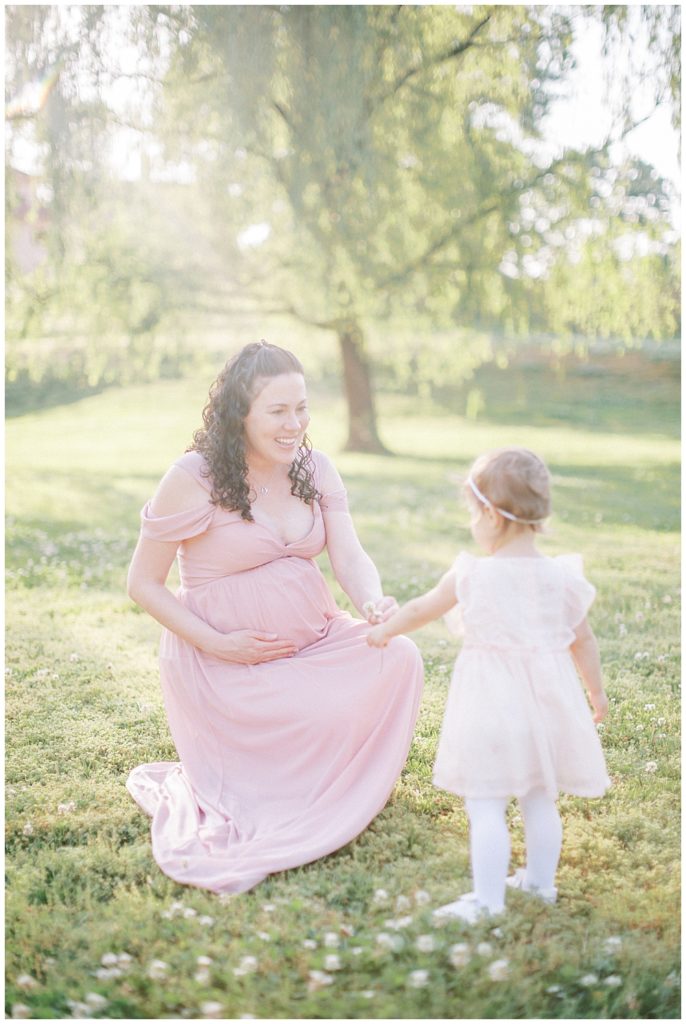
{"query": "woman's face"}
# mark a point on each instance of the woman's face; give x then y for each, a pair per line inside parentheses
(277, 420)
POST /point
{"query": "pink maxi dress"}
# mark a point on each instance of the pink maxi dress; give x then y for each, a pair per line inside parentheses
(285, 761)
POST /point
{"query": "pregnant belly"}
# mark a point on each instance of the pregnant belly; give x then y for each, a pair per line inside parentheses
(288, 597)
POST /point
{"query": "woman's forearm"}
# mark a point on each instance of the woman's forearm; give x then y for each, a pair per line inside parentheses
(157, 600)
(359, 579)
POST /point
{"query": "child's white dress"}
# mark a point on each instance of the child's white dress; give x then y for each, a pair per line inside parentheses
(517, 718)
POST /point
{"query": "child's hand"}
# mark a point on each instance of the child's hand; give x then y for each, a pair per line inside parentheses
(600, 706)
(377, 637)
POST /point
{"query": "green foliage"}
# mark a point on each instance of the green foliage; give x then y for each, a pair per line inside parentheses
(87, 909)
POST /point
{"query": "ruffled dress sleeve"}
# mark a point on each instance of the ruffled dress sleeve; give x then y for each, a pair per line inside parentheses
(334, 497)
(462, 566)
(183, 525)
(579, 593)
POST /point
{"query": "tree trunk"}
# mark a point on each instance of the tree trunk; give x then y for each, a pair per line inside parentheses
(362, 431)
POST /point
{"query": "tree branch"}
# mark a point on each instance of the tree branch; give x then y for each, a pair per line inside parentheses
(454, 51)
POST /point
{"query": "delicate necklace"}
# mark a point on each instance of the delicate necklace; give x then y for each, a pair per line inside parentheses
(263, 489)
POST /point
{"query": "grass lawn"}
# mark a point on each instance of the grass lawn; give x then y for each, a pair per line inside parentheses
(94, 928)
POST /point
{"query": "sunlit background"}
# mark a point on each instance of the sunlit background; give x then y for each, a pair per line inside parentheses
(403, 194)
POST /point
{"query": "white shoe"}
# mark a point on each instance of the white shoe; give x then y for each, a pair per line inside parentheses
(518, 881)
(467, 908)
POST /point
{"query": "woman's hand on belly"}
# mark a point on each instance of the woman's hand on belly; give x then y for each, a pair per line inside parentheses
(250, 647)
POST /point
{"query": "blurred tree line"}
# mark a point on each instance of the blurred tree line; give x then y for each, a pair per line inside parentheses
(342, 165)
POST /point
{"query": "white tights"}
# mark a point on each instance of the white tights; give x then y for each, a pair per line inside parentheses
(490, 845)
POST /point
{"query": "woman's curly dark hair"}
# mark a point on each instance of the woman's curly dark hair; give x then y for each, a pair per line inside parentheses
(221, 440)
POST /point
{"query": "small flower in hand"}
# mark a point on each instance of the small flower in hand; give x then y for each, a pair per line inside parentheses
(370, 613)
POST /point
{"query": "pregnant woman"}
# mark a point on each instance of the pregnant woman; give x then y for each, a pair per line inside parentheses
(291, 731)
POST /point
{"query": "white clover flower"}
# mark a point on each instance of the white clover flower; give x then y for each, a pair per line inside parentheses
(212, 1010)
(95, 1001)
(248, 965)
(356, 950)
(402, 903)
(553, 989)
(425, 943)
(380, 896)
(206, 920)
(107, 973)
(74, 656)
(190, 912)
(347, 930)
(484, 949)
(157, 970)
(66, 808)
(588, 979)
(497, 933)
(204, 961)
(332, 962)
(202, 975)
(459, 954)
(650, 766)
(499, 970)
(79, 1011)
(124, 960)
(422, 898)
(268, 908)
(640, 728)
(667, 599)
(612, 981)
(648, 707)
(662, 721)
(396, 923)
(42, 673)
(622, 629)
(265, 936)
(613, 943)
(331, 940)
(20, 1011)
(319, 979)
(26, 981)
(384, 940)
(418, 979)
(662, 658)
(368, 993)
(28, 829)
(309, 944)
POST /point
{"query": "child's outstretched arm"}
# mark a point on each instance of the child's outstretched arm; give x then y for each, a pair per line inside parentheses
(587, 660)
(417, 612)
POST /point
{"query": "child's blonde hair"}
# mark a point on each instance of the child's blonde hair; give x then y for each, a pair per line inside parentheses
(515, 481)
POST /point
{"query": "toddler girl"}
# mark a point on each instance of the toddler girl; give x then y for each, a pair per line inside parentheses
(516, 721)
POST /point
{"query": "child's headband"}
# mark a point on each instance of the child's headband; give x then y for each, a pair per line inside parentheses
(503, 512)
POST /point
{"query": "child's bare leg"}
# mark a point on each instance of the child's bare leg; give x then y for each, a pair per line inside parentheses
(543, 831)
(490, 851)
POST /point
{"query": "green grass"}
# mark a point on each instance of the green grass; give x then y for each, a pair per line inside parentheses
(83, 707)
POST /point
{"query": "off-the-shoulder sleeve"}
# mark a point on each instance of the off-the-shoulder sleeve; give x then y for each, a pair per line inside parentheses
(334, 497)
(462, 567)
(179, 525)
(579, 593)
(194, 464)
